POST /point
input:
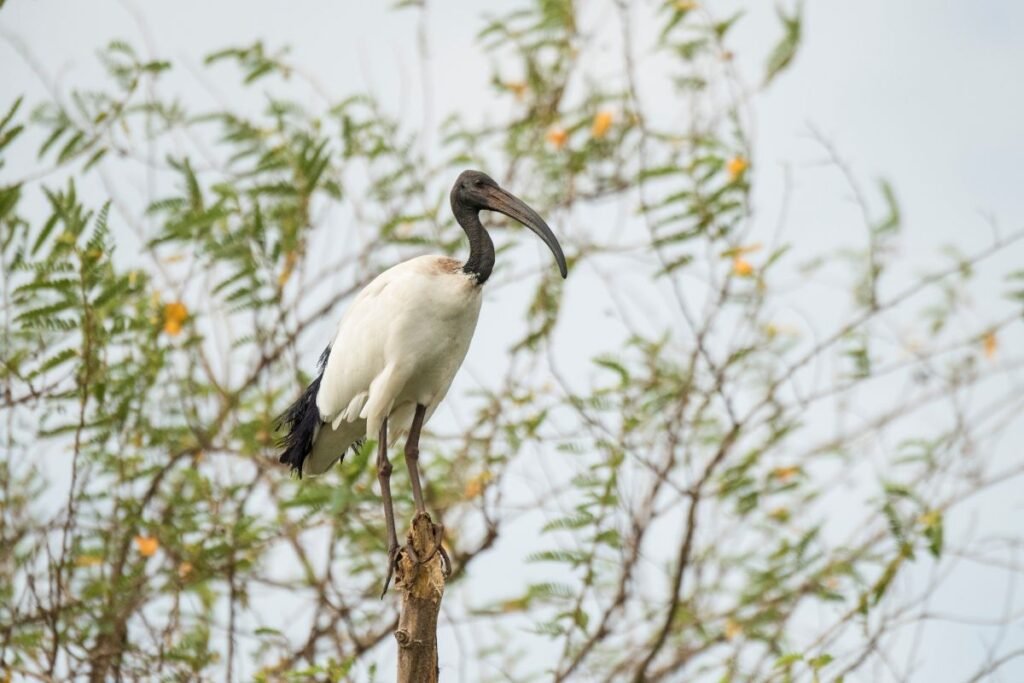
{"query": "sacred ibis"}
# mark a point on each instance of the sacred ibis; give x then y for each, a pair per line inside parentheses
(398, 347)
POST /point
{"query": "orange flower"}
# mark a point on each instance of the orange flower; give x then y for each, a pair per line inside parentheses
(742, 267)
(175, 315)
(602, 122)
(557, 137)
(784, 474)
(990, 344)
(147, 545)
(184, 569)
(736, 167)
(476, 485)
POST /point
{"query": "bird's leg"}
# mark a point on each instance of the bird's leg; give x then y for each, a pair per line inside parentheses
(384, 477)
(412, 457)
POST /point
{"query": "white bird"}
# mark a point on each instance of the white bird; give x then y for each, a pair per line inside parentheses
(398, 348)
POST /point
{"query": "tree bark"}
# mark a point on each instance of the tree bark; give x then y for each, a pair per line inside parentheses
(422, 586)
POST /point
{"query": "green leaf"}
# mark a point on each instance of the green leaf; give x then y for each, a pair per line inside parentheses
(785, 50)
(891, 222)
(933, 531)
(821, 661)
(11, 112)
(71, 147)
(788, 660)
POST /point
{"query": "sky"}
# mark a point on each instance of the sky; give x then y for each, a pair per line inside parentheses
(927, 94)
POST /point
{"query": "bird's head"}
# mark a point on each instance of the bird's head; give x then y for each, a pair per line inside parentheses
(477, 191)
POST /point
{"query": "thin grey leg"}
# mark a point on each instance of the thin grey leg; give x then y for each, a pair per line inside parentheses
(412, 457)
(384, 477)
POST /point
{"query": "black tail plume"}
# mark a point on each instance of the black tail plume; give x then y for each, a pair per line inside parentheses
(302, 420)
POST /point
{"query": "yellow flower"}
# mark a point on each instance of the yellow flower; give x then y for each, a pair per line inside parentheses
(602, 122)
(147, 545)
(476, 485)
(990, 344)
(517, 88)
(930, 518)
(742, 267)
(784, 474)
(184, 569)
(515, 605)
(175, 315)
(686, 5)
(88, 560)
(557, 137)
(289, 264)
(732, 629)
(736, 167)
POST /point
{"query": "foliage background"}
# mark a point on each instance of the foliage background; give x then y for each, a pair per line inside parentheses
(149, 342)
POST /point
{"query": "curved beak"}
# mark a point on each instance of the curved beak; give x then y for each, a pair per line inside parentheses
(507, 203)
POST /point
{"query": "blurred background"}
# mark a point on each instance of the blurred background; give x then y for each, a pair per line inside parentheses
(767, 429)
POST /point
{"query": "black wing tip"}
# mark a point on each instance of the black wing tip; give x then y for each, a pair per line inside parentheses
(301, 420)
(322, 363)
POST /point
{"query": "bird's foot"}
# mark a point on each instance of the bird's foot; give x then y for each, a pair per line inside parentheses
(446, 562)
(394, 562)
(394, 555)
(415, 561)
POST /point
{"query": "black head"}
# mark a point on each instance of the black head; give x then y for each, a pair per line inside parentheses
(472, 190)
(476, 191)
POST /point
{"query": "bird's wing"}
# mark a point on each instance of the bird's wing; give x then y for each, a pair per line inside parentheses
(358, 351)
(329, 445)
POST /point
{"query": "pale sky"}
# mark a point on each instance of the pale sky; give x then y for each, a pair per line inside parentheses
(926, 94)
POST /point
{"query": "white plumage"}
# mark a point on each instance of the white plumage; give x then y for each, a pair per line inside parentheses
(400, 343)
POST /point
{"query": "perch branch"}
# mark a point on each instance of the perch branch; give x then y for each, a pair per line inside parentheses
(421, 580)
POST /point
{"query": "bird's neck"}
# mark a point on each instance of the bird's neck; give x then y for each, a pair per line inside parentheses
(481, 249)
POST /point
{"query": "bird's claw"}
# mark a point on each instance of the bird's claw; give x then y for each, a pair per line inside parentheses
(394, 559)
(446, 562)
(394, 554)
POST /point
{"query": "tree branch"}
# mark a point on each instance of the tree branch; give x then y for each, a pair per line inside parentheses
(422, 585)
